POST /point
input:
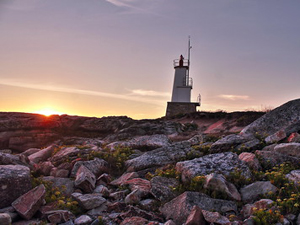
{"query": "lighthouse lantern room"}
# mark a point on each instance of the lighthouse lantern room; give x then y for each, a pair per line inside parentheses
(182, 87)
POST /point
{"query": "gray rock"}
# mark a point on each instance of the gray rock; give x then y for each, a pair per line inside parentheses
(9, 159)
(59, 216)
(66, 185)
(283, 117)
(89, 201)
(179, 208)
(133, 197)
(85, 179)
(70, 222)
(248, 209)
(278, 136)
(162, 188)
(227, 143)
(272, 158)
(15, 181)
(43, 154)
(101, 189)
(5, 219)
(224, 163)
(148, 204)
(291, 149)
(96, 166)
(250, 159)
(215, 218)
(83, 220)
(218, 182)
(125, 177)
(253, 191)
(294, 176)
(28, 204)
(195, 217)
(159, 157)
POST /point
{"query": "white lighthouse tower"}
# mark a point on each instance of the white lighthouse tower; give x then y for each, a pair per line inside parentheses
(182, 87)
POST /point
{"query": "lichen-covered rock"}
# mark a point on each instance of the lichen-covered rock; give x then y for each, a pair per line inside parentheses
(43, 154)
(215, 218)
(83, 220)
(134, 197)
(14, 181)
(96, 166)
(227, 143)
(281, 118)
(250, 159)
(248, 209)
(10, 159)
(273, 158)
(139, 184)
(89, 201)
(161, 188)
(125, 177)
(28, 204)
(294, 176)
(85, 179)
(291, 149)
(159, 157)
(253, 191)
(278, 136)
(223, 163)
(218, 182)
(66, 185)
(195, 217)
(179, 208)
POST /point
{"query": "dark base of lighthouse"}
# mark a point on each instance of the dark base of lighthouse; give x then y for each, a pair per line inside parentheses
(175, 108)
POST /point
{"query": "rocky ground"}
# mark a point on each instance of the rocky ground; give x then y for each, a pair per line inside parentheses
(201, 168)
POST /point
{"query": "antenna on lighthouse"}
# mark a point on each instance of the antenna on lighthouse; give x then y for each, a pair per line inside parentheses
(189, 56)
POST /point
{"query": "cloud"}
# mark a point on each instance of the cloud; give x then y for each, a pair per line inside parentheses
(150, 93)
(128, 97)
(234, 97)
(121, 3)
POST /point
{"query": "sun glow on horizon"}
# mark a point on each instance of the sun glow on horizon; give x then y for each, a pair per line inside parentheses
(48, 112)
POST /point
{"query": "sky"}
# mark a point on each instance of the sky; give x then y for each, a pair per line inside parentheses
(115, 57)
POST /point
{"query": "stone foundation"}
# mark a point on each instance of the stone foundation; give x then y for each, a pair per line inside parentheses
(174, 108)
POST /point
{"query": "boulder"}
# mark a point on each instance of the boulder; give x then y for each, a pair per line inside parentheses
(291, 149)
(215, 218)
(218, 182)
(101, 189)
(85, 179)
(83, 220)
(43, 168)
(5, 219)
(89, 201)
(96, 166)
(250, 159)
(294, 176)
(134, 197)
(144, 143)
(223, 163)
(59, 216)
(65, 185)
(179, 208)
(125, 177)
(28, 204)
(195, 217)
(159, 157)
(15, 181)
(274, 138)
(253, 191)
(10, 159)
(272, 158)
(43, 154)
(139, 184)
(248, 209)
(284, 117)
(227, 143)
(162, 188)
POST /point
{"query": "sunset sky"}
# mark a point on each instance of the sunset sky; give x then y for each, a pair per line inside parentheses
(115, 57)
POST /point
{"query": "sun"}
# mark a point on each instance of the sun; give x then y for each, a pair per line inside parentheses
(48, 112)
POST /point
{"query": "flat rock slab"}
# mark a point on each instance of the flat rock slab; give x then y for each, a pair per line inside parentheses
(14, 181)
(223, 163)
(96, 166)
(89, 201)
(28, 204)
(180, 207)
(291, 149)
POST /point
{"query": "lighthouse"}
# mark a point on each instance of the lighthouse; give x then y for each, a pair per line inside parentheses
(182, 88)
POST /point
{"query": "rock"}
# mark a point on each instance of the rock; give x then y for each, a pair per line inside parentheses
(104, 179)
(159, 157)
(218, 182)
(43, 154)
(215, 218)
(89, 201)
(96, 166)
(161, 188)
(9, 159)
(272, 158)
(65, 185)
(70, 222)
(227, 143)
(30, 151)
(59, 216)
(291, 149)
(97, 211)
(169, 222)
(55, 172)
(134, 197)
(125, 177)
(253, 144)
(144, 143)
(101, 189)
(294, 137)
(195, 217)
(131, 211)
(278, 136)
(85, 179)
(139, 184)
(15, 181)
(179, 208)
(135, 220)
(148, 204)
(224, 163)
(5, 219)
(294, 176)
(281, 118)
(252, 191)
(248, 209)
(28, 204)
(119, 195)
(43, 168)
(83, 220)
(298, 220)
(251, 160)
